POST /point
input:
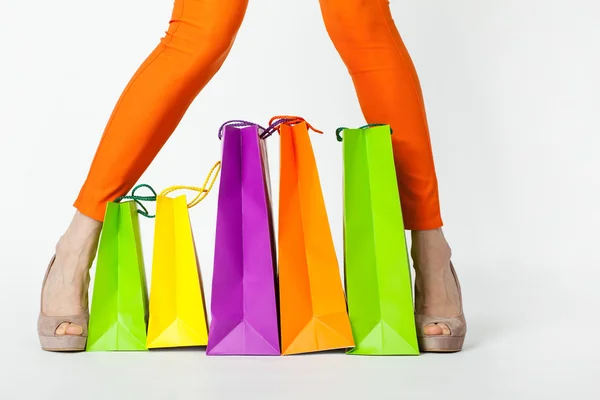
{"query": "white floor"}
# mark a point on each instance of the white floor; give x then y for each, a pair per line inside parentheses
(522, 344)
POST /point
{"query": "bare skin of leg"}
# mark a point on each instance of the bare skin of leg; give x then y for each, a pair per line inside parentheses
(65, 292)
(436, 293)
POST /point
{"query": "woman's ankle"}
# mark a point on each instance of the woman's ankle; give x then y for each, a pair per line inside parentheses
(80, 241)
(430, 249)
(436, 292)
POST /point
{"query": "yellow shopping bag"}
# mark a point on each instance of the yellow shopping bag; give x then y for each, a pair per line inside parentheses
(177, 308)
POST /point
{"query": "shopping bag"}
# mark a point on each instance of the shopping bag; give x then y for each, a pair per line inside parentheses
(119, 309)
(177, 306)
(377, 271)
(312, 302)
(243, 298)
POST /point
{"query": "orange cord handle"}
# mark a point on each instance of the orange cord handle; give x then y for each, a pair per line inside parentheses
(278, 120)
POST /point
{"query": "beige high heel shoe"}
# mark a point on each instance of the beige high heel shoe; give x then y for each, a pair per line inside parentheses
(48, 325)
(443, 343)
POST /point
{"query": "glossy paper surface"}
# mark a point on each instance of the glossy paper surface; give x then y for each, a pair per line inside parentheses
(177, 310)
(243, 302)
(313, 307)
(119, 306)
(378, 280)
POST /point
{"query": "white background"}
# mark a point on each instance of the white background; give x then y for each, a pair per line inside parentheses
(511, 91)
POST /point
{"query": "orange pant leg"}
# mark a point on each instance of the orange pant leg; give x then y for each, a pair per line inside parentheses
(200, 35)
(389, 92)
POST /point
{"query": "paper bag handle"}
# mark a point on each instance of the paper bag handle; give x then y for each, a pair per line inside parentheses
(338, 131)
(138, 199)
(203, 191)
(236, 122)
(276, 122)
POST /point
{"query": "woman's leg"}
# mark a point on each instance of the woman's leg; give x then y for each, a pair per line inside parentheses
(200, 35)
(388, 90)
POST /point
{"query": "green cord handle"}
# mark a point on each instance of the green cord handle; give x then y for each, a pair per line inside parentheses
(138, 199)
(338, 131)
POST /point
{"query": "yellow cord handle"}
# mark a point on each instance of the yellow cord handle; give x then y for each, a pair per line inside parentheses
(203, 191)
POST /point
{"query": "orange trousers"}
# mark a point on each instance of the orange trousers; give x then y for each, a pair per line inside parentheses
(200, 36)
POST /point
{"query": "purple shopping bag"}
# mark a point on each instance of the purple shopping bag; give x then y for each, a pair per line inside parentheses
(243, 302)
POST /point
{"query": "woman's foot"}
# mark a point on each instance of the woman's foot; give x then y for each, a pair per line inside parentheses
(437, 293)
(65, 290)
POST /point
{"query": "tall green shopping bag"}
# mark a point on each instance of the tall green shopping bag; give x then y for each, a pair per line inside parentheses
(377, 269)
(119, 310)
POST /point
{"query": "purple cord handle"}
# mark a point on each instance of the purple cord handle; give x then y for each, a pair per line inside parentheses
(236, 122)
(273, 127)
(266, 132)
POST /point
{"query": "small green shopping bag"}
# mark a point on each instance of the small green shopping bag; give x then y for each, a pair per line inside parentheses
(119, 309)
(377, 270)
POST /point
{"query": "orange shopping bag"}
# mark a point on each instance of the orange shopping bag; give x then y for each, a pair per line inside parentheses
(312, 303)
